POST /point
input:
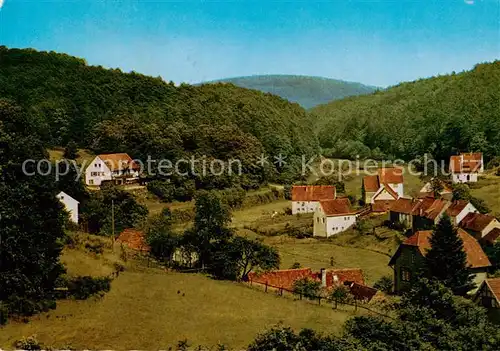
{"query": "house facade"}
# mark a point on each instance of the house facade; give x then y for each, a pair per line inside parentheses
(382, 189)
(459, 209)
(466, 167)
(479, 225)
(401, 211)
(409, 259)
(306, 198)
(118, 168)
(70, 205)
(488, 294)
(333, 217)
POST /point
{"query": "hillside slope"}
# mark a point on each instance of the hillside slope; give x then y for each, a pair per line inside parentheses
(440, 115)
(106, 110)
(305, 90)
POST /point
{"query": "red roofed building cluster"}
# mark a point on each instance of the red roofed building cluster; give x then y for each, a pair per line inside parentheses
(333, 217)
(118, 168)
(306, 198)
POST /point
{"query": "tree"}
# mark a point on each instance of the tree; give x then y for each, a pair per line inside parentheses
(340, 294)
(384, 284)
(253, 254)
(31, 219)
(71, 151)
(462, 192)
(437, 187)
(446, 260)
(307, 287)
(160, 237)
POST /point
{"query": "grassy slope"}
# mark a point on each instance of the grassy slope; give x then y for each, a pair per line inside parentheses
(144, 311)
(488, 189)
(305, 90)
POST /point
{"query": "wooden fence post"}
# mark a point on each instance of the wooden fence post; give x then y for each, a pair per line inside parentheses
(319, 301)
(300, 296)
(266, 286)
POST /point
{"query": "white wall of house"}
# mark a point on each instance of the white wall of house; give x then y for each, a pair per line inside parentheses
(326, 226)
(478, 279)
(304, 206)
(467, 209)
(382, 195)
(464, 177)
(493, 224)
(398, 188)
(97, 172)
(70, 204)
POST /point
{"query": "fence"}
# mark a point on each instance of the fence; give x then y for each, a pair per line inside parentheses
(280, 291)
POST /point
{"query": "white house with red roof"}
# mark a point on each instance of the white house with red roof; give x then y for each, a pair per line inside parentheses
(119, 168)
(333, 217)
(384, 188)
(465, 168)
(306, 198)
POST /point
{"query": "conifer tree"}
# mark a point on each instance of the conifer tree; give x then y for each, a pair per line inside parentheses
(446, 260)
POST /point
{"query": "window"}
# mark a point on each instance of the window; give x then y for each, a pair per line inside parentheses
(405, 275)
(322, 220)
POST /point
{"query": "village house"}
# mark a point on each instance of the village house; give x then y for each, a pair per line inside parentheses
(427, 213)
(480, 225)
(284, 279)
(70, 205)
(381, 190)
(409, 259)
(118, 168)
(306, 198)
(488, 294)
(401, 211)
(459, 209)
(427, 191)
(332, 217)
(464, 168)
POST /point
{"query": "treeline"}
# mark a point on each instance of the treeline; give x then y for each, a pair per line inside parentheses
(440, 116)
(108, 111)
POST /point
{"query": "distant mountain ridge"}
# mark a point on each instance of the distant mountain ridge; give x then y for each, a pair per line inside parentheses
(308, 91)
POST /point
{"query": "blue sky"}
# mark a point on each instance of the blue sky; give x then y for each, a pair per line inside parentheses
(373, 42)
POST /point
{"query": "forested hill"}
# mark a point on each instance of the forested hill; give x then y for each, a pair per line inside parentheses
(305, 90)
(440, 115)
(107, 110)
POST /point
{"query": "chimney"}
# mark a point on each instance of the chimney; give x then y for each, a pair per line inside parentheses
(323, 277)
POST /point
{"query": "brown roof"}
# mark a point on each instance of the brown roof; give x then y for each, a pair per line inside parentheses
(133, 239)
(390, 175)
(476, 221)
(491, 237)
(466, 163)
(120, 161)
(362, 292)
(494, 286)
(351, 275)
(436, 208)
(403, 205)
(371, 183)
(475, 254)
(337, 207)
(456, 207)
(313, 192)
(381, 205)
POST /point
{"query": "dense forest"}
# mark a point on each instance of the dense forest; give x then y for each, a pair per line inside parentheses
(440, 115)
(305, 90)
(107, 110)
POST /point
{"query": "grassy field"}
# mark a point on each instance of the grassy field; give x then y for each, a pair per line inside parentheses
(154, 310)
(83, 155)
(488, 189)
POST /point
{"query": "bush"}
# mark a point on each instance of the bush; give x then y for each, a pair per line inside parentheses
(29, 343)
(163, 189)
(95, 246)
(4, 314)
(306, 287)
(384, 284)
(83, 287)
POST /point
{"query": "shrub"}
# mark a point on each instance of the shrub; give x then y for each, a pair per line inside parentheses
(384, 284)
(4, 314)
(29, 343)
(163, 189)
(306, 287)
(95, 246)
(295, 265)
(83, 287)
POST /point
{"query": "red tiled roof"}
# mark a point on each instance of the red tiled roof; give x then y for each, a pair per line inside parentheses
(133, 239)
(436, 208)
(475, 254)
(466, 163)
(362, 292)
(337, 207)
(403, 205)
(382, 205)
(491, 237)
(390, 175)
(340, 276)
(476, 221)
(494, 286)
(371, 183)
(456, 207)
(281, 278)
(313, 192)
(120, 161)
